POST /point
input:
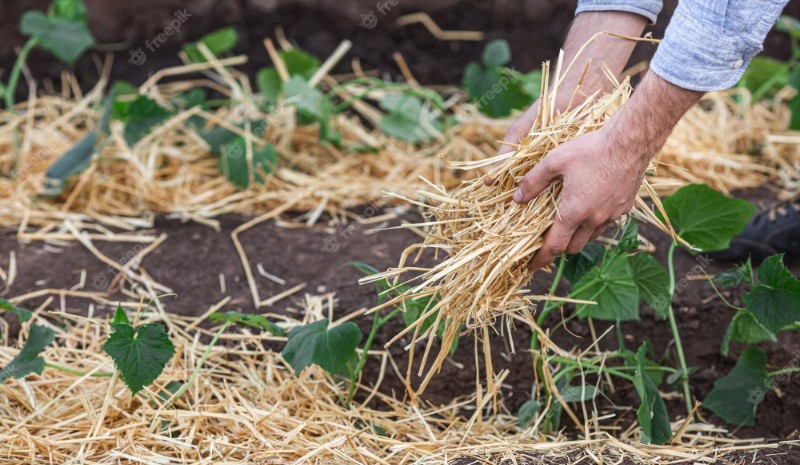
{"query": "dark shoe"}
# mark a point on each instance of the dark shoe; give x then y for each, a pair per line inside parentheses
(770, 232)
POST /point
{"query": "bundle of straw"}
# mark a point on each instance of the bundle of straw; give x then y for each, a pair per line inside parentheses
(491, 239)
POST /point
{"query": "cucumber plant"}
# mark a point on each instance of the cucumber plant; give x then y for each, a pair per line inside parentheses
(498, 90)
(140, 353)
(336, 349)
(620, 278)
(771, 305)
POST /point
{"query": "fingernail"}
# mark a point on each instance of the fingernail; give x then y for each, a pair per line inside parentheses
(518, 195)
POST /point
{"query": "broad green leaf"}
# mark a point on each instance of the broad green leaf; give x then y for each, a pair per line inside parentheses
(742, 273)
(246, 319)
(652, 281)
(652, 368)
(310, 102)
(578, 393)
(28, 360)
(269, 84)
(578, 264)
(72, 162)
(775, 301)
(612, 286)
(236, 168)
(73, 10)
(315, 344)
(66, 39)
(299, 63)
(527, 413)
(735, 397)
(21, 313)
(706, 218)
(652, 413)
(531, 83)
(218, 42)
(140, 354)
(495, 91)
(744, 327)
(406, 118)
(764, 75)
(496, 53)
(140, 115)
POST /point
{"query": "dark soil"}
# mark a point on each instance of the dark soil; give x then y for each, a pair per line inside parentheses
(192, 258)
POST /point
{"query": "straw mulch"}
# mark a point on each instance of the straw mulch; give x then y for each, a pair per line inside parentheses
(729, 142)
(247, 406)
(172, 170)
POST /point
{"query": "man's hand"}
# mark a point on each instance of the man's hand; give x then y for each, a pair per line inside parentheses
(602, 170)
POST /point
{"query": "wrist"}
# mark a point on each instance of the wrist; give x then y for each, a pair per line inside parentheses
(643, 124)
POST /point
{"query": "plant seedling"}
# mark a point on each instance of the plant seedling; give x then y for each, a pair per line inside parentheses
(139, 353)
(498, 90)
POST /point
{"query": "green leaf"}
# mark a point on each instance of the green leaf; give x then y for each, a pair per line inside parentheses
(527, 413)
(245, 319)
(315, 344)
(788, 24)
(218, 42)
(140, 115)
(579, 393)
(72, 162)
(742, 273)
(764, 75)
(310, 102)
(580, 263)
(629, 239)
(407, 119)
(269, 84)
(495, 91)
(140, 354)
(706, 218)
(652, 281)
(652, 368)
(496, 53)
(745, 327)
(299, 63)
(234, 164)
(775, 301)
(613, 287)
(652, 413)
(735, 397)
(28, 360)
(21, 313)
(74, 10)
(66, 39)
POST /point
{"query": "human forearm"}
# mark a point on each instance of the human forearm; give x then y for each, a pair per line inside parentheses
(605, 50)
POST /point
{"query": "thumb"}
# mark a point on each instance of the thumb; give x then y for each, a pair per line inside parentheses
(537, 179)
(518, 129)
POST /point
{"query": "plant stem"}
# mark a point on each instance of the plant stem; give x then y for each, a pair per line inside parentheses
(200, 364)
(73, 371)
(16, 70)
(377, 322)
(549, 306)
(783, 371)
(673, 324)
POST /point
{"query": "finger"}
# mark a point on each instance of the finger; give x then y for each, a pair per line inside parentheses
(514, 135)
(597, 232)
(555, 243)
(537, 179)
(580, 238)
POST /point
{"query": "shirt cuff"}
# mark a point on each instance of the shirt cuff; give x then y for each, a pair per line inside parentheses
(647, 8)
(702, 52)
